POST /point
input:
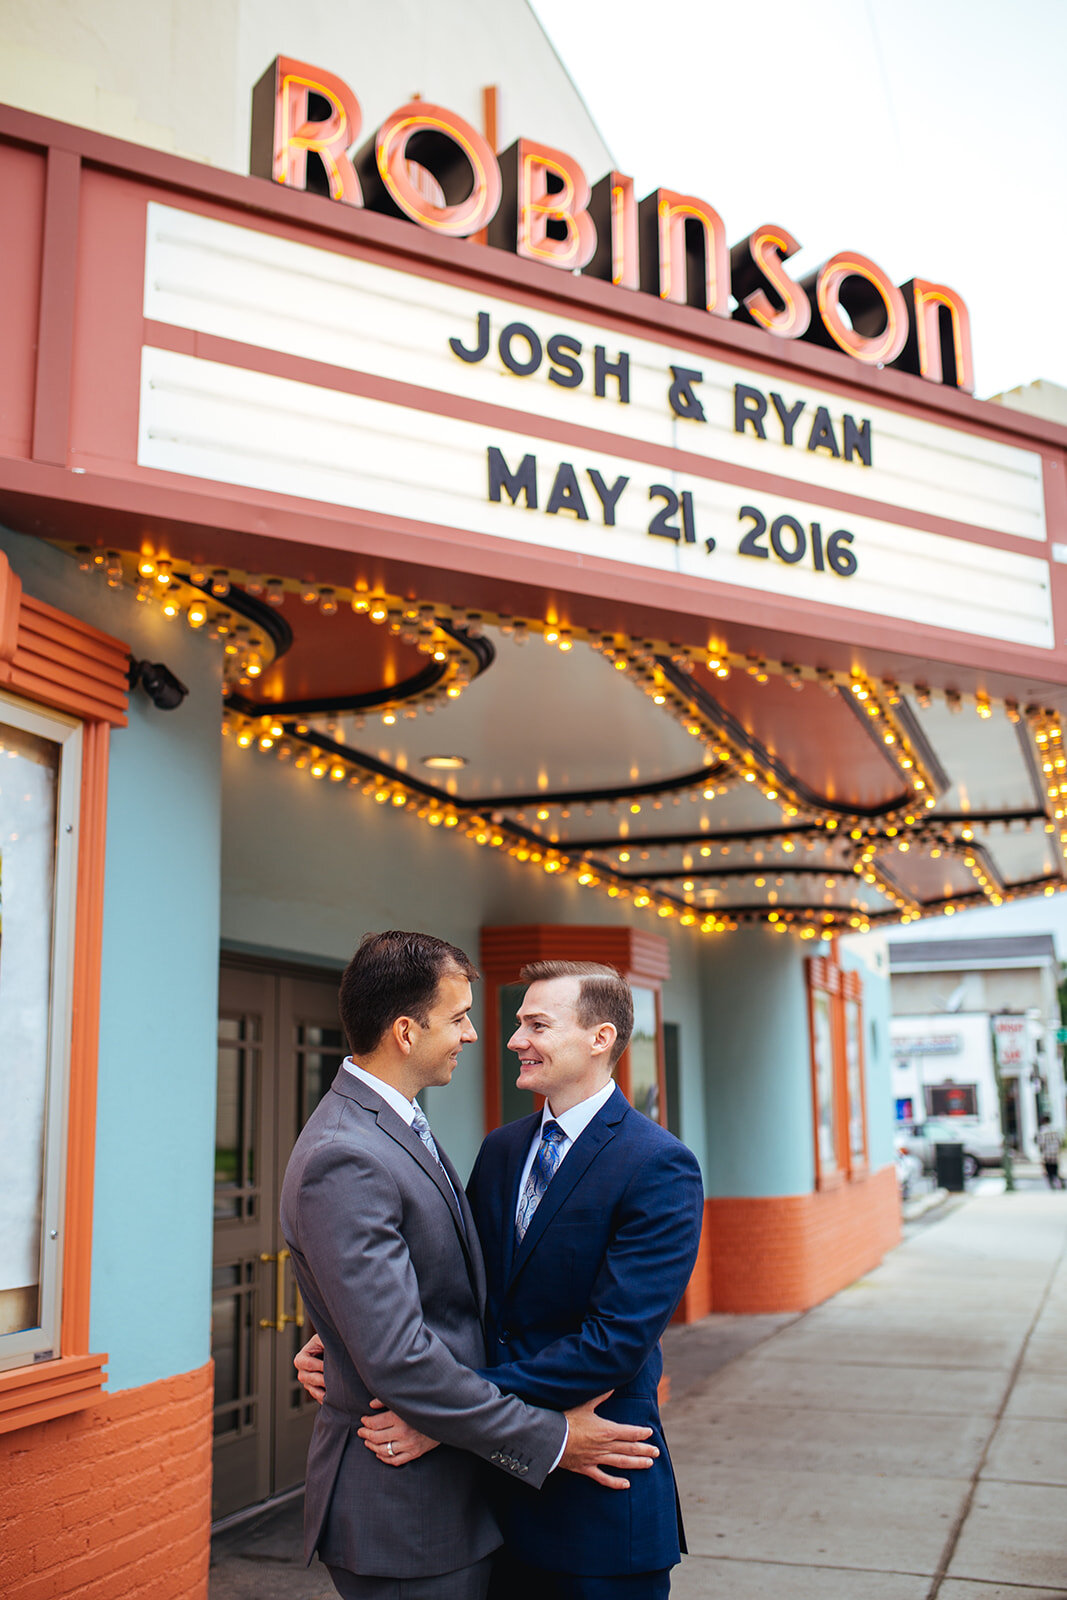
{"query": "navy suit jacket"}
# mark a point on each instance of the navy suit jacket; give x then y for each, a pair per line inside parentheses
(577, 1309)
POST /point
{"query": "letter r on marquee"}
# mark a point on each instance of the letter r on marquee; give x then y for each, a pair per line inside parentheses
(282, 135)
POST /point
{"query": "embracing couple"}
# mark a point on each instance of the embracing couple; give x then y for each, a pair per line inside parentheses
(489, 1358)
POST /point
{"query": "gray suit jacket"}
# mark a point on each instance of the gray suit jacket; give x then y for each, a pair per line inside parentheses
(389, 1265)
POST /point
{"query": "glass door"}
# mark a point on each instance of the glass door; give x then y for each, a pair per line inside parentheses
(279, 1045)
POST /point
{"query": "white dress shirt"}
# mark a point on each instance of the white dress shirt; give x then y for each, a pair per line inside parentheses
(573, 1122)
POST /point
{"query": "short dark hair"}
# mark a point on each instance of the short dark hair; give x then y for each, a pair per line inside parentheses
(394, 975)
(603, 996)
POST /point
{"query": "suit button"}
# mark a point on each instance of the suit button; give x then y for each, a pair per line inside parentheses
(504, 1335)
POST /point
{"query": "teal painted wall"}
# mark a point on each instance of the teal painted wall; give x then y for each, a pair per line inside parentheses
(150, 1308)
(759, 1116)
(868, 954)
(309, 868)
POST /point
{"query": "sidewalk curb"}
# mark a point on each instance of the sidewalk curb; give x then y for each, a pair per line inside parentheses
(912, 1210)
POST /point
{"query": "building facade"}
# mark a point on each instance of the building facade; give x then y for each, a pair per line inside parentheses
(962, 1008)
(564, 579)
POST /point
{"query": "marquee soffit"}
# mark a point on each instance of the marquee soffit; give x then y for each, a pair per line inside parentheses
(706, 786)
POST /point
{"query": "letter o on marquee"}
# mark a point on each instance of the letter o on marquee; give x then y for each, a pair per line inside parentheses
(460, 147)
(877, 349)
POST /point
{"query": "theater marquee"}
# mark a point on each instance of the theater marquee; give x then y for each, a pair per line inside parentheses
(464, 410)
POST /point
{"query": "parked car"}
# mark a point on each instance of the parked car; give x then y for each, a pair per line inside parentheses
(983, 1143)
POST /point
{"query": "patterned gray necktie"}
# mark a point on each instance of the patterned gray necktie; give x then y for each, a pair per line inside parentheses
(545, 1163)
(422, 1128)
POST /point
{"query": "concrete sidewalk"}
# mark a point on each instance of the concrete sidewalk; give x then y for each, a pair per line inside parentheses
(905, 1441)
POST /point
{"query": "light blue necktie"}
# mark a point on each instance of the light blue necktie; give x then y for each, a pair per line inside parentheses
(546, 1161)
(422, 1128)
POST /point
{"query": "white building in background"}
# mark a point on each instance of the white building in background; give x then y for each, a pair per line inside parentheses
(953, 1002)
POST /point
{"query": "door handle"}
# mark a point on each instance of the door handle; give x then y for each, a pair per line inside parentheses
(281, 1316)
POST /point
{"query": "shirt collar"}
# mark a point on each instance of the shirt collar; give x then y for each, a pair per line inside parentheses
(578, 1118)
(400, 1103)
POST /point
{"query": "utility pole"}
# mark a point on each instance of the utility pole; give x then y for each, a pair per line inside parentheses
(1002, 1098)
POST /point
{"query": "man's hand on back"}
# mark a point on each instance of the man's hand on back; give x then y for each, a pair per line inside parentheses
(593, 1443)
(310, 1369)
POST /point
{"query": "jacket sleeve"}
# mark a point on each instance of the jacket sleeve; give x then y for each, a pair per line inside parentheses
(364, 1274)
(642, 1278)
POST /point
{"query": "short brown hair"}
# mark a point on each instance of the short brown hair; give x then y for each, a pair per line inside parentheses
(394, 975)
(603, 996)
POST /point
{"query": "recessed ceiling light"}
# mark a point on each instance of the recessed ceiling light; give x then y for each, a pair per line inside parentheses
(444, 761)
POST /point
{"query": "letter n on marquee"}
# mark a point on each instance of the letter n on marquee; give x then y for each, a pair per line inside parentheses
(932, 305)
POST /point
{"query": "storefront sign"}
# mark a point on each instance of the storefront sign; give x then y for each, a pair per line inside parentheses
(927, 1044)
(1013, 1043)
(537, 202)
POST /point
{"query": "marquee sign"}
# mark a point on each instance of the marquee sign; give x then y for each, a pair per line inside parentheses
(460, 409)
(537, 202)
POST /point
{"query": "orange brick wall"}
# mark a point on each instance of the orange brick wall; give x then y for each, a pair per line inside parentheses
(696, 1301)
(113, 1503)
(787, 1253)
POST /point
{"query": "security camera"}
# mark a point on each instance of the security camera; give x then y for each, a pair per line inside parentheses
(159, 683)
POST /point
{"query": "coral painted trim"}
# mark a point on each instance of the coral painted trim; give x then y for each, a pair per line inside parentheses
(56, 661)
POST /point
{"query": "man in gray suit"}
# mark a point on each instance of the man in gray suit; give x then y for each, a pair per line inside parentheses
(386, 1257)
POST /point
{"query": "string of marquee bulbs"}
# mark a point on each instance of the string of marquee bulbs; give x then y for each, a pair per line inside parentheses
(202, 597)
(198, 594)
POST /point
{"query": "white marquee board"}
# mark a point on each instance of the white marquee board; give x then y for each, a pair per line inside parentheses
(234, 425)
(275, 294)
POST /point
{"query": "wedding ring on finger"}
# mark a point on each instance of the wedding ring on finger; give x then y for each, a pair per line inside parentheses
(390, 1449)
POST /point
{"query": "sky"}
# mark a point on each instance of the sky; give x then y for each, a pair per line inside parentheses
(931, 135)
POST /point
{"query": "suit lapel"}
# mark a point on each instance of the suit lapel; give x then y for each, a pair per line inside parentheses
(578, 1160)
(469, 1236)
(398, 1130)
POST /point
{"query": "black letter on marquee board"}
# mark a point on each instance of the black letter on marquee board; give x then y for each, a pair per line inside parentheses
(481, 349)
(609, 495)
(684, 403)
(565, 371)
(822, 433)
(750, 405)
(788, 416)
(566, 495)
(519, 330)
(522, 481)
(603, 369)
(858, 439)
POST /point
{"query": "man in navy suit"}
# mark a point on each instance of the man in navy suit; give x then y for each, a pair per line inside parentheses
(583, 1282)
(589, 1217)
